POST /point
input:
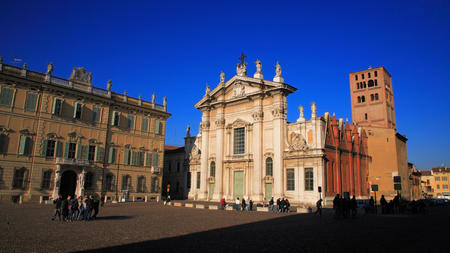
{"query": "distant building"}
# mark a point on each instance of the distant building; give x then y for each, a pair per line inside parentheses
(435, 182)
(175, 174)
(372, 101)
(66, 136)
(246, 148)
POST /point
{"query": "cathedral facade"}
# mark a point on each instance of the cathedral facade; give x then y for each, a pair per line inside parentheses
(246, 148)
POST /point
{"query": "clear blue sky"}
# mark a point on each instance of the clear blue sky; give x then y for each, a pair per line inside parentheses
(172, 48)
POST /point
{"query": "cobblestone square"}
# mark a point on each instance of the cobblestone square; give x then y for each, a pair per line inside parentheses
(151, 227)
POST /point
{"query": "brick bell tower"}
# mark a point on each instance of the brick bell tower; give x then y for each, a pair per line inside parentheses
(372, 98)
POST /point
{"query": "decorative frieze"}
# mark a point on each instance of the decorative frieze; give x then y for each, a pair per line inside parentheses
(278, 113)
(258, 116)
(204, 125)
(220, 123)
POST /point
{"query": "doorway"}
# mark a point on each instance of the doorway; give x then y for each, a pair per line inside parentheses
(68, 184)
(238, 184)
(211, 190)
(268, 191)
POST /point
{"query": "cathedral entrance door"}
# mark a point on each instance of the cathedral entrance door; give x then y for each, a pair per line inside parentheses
(238, 184)
(268, 191)
(68, 184)
(211, 191)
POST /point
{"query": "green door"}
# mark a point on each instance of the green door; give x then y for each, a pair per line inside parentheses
(238, 186)
(268, 191)
(211, 191)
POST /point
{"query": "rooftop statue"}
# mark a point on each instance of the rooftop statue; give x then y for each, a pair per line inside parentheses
(222, 77)
(49, 69)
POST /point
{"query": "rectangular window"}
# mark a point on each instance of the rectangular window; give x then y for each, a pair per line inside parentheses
(290, 179)
(239, 140)
(438, 186)
(444, 178)
(50, 148)
(356, 77)
(362, 76)
(115, 118)
(376, 82)
(91, 154)
(144, 125)
(57, 106)
(198, 180)
(96, 114)
(130, 121)
(437, 178)
(126, 154)
(4, 139)
(30, 102)
(72, 150)
(376, 73)
(445, 186)
(157, 127)
(25, 145)
(6, 96)
(368, 75)
(46, 179)
(155, 160)
(77, 109)
(309, 179)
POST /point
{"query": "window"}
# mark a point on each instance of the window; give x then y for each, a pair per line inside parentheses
(376, 82)
(144, 125)
(112, 155)
(91, 153)
(376, 73)
(198, 180)
(212, 169)
(158, 127)
(290, 180)
(57, 106)
(362, 76)
(77, 109)
(130, 121)
(6, 96)
(370, 83)
(438, 186)
(437, 178)
(372, 97)
(126, 182)
(19, 178)
(155, 160)
(356, 77)
(359, 99)
(30, 102)
(46, 179)
(444, 178)
(364, 84)
(309, 179)
(25, 145)
(96, 114)
(148, 159)
(365, 116)
(116, 118)
(155, 185)
(71, 150)
(445, 186)
(368, 75)
(376, 96)
(239, 140)
(363, 99)
(127, 154)
(269, 166)
(50, 152)
(4, 139)
(89, 180)
(141, 184)
(357, 86)
(109, 182)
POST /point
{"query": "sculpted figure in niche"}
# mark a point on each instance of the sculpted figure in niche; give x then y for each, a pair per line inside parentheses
(298, 143)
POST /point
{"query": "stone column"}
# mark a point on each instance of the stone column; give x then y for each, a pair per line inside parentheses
(57, 181)
(257, 194)
(218, 188)
(81, 178)
(278, 134)
(203, 194)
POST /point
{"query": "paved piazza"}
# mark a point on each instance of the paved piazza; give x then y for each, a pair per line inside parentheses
(151, 227)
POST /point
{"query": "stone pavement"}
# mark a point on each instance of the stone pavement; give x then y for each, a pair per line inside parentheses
(152, 227)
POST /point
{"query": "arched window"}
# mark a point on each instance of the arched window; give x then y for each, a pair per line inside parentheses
(376, 96)
(359, 99)
(365, 84)
(269, 167)
(212, 169)
(19, 178)
(141, 184)
(357, 85)
(370, 83)
(109, 182)
(363, 99)
(46, 179)
(88, 180)
(372, 97)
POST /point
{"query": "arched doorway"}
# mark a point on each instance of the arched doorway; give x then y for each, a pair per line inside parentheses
(68, 183)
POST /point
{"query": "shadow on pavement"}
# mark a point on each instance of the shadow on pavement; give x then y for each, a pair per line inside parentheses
(113, 217)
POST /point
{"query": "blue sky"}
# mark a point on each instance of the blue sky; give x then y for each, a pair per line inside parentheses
(172, 48)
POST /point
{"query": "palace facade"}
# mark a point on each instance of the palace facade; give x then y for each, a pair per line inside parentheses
(65, 136)
(246, 148)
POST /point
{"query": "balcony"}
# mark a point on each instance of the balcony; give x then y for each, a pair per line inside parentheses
(66, 161)
(156, 170)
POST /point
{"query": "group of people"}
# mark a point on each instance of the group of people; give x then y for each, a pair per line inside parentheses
(344, 207)
(81, 208)
(283, 205)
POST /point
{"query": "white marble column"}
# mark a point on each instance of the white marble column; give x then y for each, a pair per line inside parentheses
(57, 182)
(203, 194)
(278, 138)
(257, 193)
(218, 188)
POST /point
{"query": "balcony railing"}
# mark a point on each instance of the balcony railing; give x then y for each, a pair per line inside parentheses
(66, 161)
(156, 170)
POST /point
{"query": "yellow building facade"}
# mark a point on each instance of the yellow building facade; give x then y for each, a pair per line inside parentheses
(435, 182)
(65, 136)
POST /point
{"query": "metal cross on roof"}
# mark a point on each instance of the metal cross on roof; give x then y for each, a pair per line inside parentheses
(242, 58)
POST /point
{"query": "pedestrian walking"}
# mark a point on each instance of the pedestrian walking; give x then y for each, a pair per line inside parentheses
(95, 205)
(243, 204)
(237, 204)
(319, 207)
(271, 205)
(57, 211)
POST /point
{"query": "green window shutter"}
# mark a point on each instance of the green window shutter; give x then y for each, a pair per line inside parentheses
(22, 144)
(28, 145)
(58, 149)
(75, 107)
(147, 159)
(44, 148)
(111, 155)
(144, 125)
(99, 153)
(156, 126)
(54, 106)
(155, 160)
(127, 156)
(66, 150)
(133, 158)
(6, 96)
(86, 152)
(30, 102)
(79, 151)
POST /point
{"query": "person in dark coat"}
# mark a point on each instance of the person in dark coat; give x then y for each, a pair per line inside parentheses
(319, 207)
(243, 205)
(278, 205)
(383, 204)
(73, 212)
(57, 212)
(95, 205)
(65, 208)
(353, 206)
